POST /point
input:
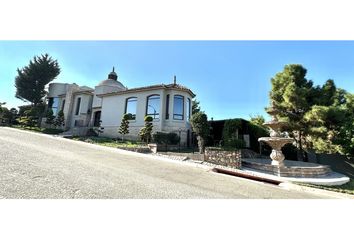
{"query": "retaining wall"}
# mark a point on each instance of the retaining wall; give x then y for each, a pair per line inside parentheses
(222, 157)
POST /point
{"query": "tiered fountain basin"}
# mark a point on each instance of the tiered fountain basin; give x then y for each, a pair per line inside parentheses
(289, 168)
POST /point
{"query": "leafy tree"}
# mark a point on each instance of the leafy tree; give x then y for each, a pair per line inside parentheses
(145, 132)
(59, 121)
(319, 117)
(292, 94)
(257, 120)
(124, 126)
(49, 117)
(31, 80)
(195, 106)
(200, 125)
(332, 127)
(326, 123)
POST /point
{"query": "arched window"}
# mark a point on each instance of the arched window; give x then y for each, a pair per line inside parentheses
(130, 107)
(178, 107)
(153, 106)
(188, 112)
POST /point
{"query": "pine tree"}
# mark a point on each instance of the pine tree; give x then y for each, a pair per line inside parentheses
(292, 94)
(60, 119)
(31, 80)
(145, 132)
(49, 117)
(124, 126)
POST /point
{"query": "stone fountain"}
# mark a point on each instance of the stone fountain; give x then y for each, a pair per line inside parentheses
(276, 140)
(286, 170)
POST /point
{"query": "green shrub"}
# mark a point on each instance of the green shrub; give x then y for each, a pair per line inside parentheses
(234, 143)
(230, 136)
(145, 132)
(166, 138)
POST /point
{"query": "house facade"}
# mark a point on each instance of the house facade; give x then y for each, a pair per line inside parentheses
(170, 106)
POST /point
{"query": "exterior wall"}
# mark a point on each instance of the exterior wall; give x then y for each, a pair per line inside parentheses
(113, 109)
(97, 102)
(56, 89)
(85, 105)
(180, 127)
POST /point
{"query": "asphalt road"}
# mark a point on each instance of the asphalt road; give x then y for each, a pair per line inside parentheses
(42, 166)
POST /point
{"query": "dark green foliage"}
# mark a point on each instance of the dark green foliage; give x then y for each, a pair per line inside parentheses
(200, 125)
(318, 117)
(256, 131)
(257, 120)
(49, 117)
(31, 80)
(166, 138)
(29, 118)
(124, 126)
(230, 134)
(60, 119)
(51, 131)
(145, 132)
(23, 108)
(195, 106)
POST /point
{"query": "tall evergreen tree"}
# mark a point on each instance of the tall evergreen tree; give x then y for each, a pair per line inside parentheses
(31, 80)
(195, 106)
(59, 121)
(124, 125)
(292, 94)
(49, 117)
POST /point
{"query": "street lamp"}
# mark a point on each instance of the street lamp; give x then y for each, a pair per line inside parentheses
(154, 110)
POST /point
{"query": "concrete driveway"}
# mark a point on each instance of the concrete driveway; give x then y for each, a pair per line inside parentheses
(41, 166)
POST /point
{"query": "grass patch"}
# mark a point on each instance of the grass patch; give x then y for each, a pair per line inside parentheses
(109, 142)
(51, 131)
(345, 188)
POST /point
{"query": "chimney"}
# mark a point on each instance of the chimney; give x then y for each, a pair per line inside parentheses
(174, 79)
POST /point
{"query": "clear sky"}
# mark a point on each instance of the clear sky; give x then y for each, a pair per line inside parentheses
(230, 78)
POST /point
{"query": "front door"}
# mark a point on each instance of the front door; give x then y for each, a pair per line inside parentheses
(97, 119)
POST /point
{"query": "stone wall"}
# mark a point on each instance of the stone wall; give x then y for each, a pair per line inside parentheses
(222, 157)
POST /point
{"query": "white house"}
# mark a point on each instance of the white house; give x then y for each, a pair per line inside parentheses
(170, 105)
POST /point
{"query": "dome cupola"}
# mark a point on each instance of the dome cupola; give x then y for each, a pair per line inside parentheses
(112, 82)
(113, 75)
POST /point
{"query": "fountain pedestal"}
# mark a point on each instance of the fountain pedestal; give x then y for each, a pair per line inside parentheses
(275, 141)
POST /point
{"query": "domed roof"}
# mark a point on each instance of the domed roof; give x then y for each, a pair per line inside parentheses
(112, 81)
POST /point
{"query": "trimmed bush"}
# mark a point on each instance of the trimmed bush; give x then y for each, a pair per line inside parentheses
(145, 132)
(166, 138)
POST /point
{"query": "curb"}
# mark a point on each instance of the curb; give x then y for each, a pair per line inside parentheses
(291, 186)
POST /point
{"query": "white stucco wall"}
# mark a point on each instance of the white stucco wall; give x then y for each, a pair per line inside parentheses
(113, 109)
(56, 89)
(85, 105)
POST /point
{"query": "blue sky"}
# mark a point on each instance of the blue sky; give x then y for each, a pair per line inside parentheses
(230, 78)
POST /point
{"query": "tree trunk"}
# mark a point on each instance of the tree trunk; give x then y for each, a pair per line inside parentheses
(201, 145)
(300, 154)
